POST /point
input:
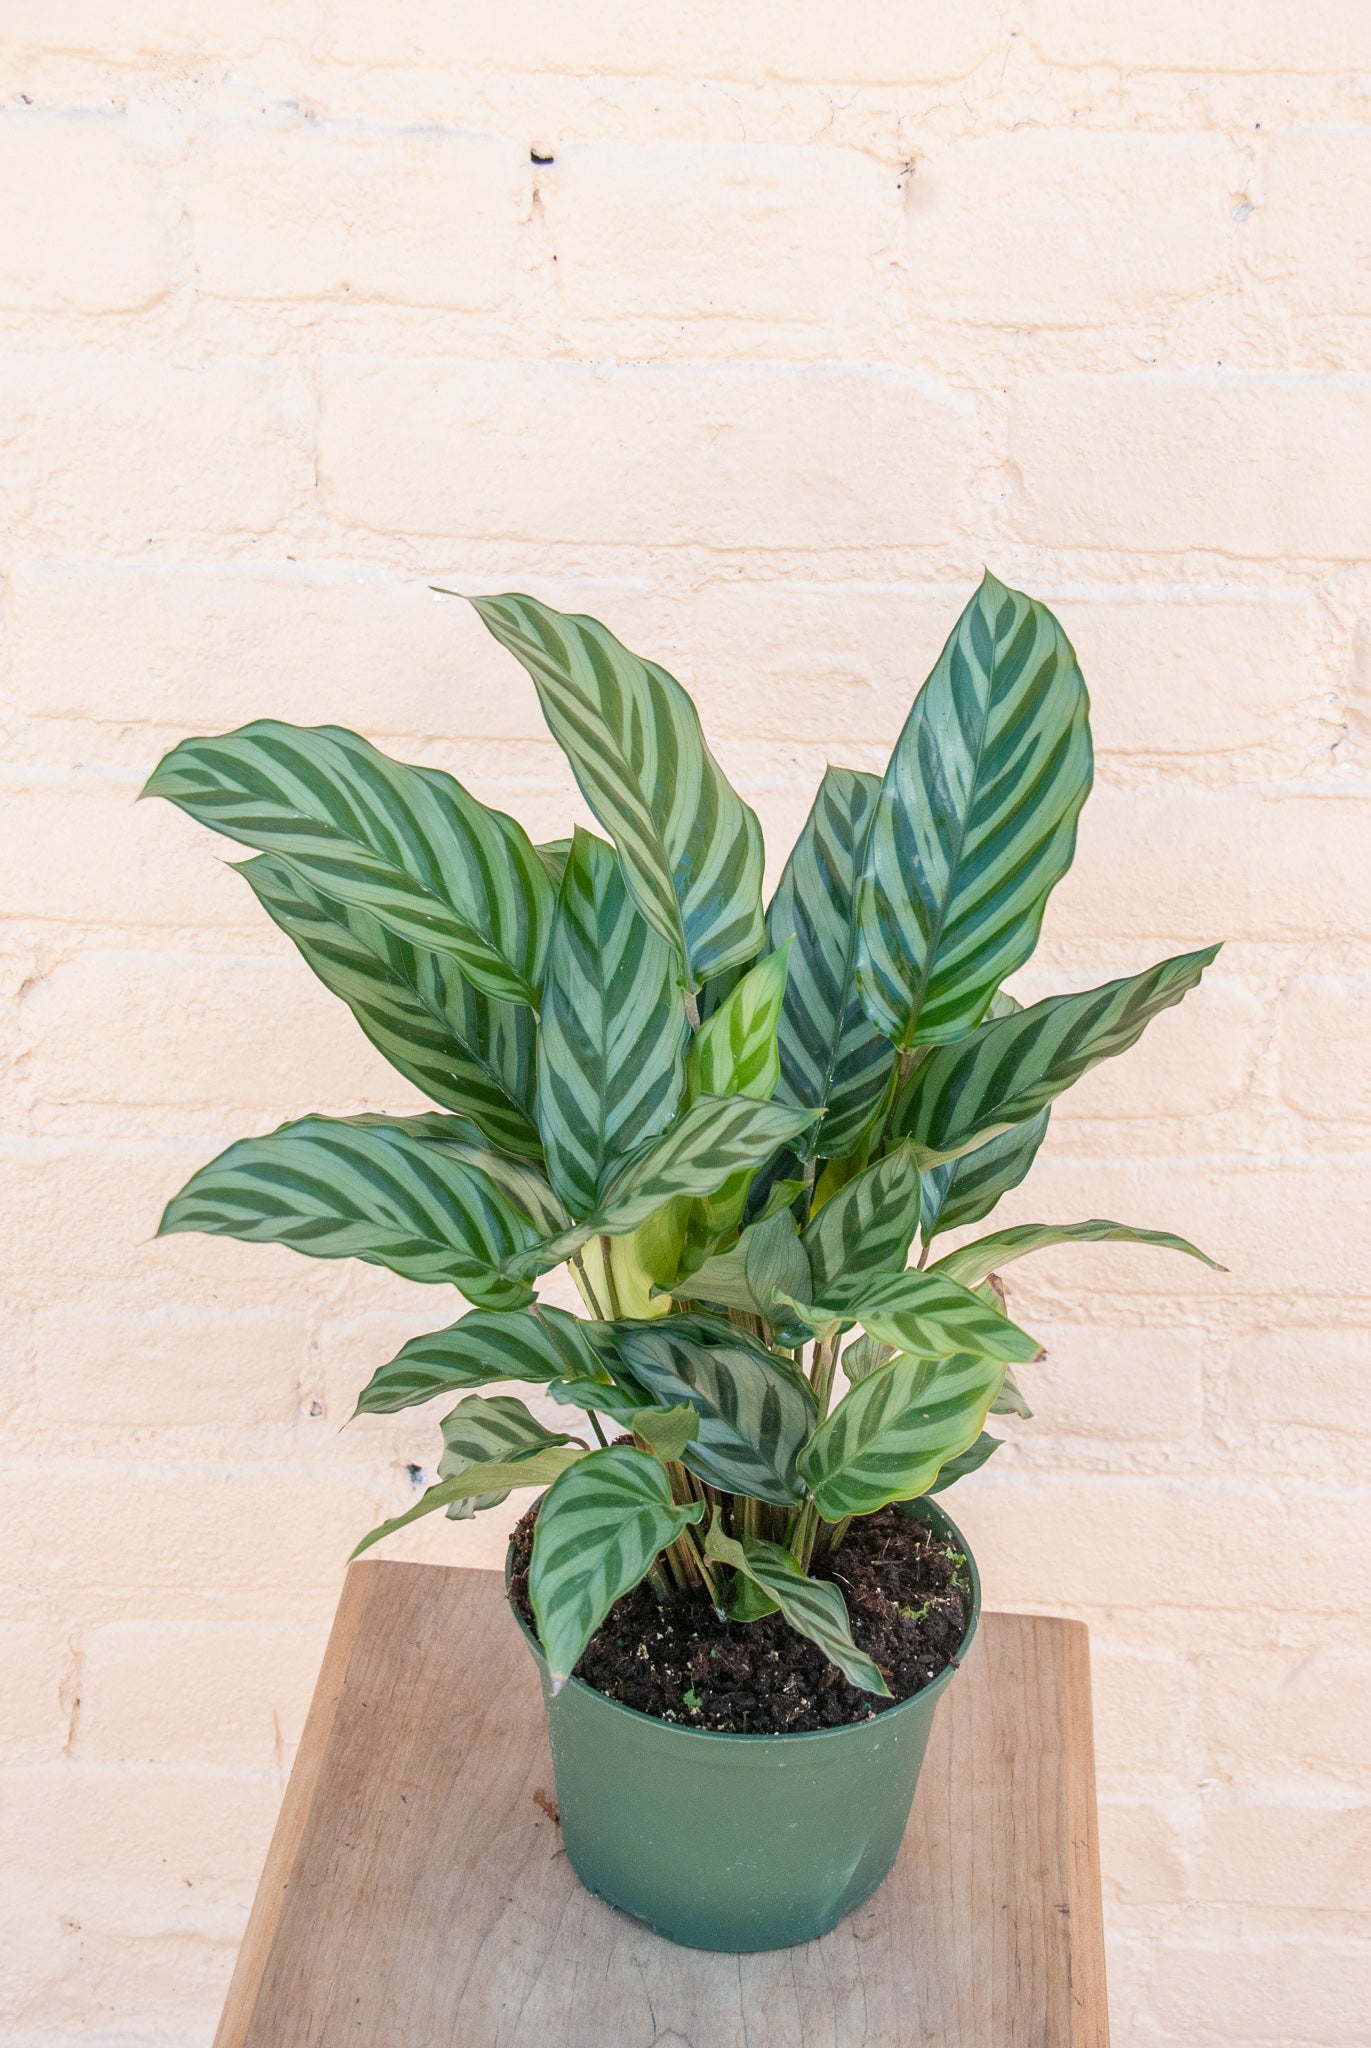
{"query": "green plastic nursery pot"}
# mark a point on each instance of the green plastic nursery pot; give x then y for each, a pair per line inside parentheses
(737, 1842)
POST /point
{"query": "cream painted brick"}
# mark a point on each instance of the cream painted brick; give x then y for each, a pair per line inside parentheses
(185, 28)
(869, 41)
(176, 1367)
(1056, 227)
(121, 448)
(1312, 230)
(158, 1982)
(1260, 1990)
(1284, 1715)
(1134, 1384)
(199, 1031)
(1325, 1048)
(1196, 1060)
(1300, 1378)
(414, 217)
(1121, 1542)
(1191, 675)
(1227, 35)
(138, 1541)
(203, 647)
(195, 1693)
(1142, 1856)
(1142, 1713)
(1287, 1856)
(1282, 1228)
(1218, 865)
(639, 230)
(83, 222)
(732, 457)
(37, 1661)
(1259, 465)
(141, 1851)
(85, 852)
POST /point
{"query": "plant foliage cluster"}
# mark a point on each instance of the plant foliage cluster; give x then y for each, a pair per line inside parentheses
(734, 1123)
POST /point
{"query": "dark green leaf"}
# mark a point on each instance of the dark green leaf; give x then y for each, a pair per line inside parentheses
(490, 1431)
(962, 1191)
(832, 1057)
(976, 820)
(969, 1461)
(345, 1188)
(600, 1527)
(755, 1410)
(612, 1036)
(690, 847)
(1009, 1070)
(481, 1349)
(814, 1608)
(888, 1438)
(461, 1047)
(410, 845)
(866, 1228)
(970, 1263)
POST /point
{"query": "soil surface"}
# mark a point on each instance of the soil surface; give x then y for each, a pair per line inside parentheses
(908, 1598)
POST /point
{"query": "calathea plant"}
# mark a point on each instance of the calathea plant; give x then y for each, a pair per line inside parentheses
(732, 1123)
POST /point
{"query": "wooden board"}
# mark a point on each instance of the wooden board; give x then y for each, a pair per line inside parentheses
(416, 1894)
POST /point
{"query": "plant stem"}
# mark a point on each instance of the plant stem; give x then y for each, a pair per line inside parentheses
(822, 1371)
(606, 1254)
(660, 1583)
(802, 1533)
(692, 1009)
(588, 1292)
(595, 1425)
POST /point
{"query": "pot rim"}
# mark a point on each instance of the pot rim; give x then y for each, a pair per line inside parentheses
(924, 1509)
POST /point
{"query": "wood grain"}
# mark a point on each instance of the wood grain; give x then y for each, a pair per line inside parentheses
(417, 1896)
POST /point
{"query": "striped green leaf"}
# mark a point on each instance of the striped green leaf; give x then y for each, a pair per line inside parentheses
(755, 1409)
(889, 1437)
(976, 820)
(481, 1349)
(832, 1057)
(932, 1316)
(1010, 1069)
(600, 1527)
(866, 1228)
(458, 1137)
(460, 1046)
(490, 1431)
(814, 1608)
(1010, 1400)
(970, 1461)
(865, 1355)
(477, 1480)
(970, 1263)
(357, 1188)
(621, 1399)
(410, 845)
(612, 1036)
(963, 1190)
(690, 847)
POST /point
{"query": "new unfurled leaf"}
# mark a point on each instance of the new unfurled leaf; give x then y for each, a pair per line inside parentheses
(612, 1036)
(889, 1437)
(462, 1047)
(866, 1228)
(734, 1053)
(832, 1057)
(865, 1355)
(814, 1607)
(970, 1263)
(481, 1349)
(600, 1527)
(691, 849)
(363, 1189)
(767, 1263)
(755, 1410)
(410, 845)
(1010, 1069)
(975, 822)
(716, 1137)
(473, 1481)
(666, 1431)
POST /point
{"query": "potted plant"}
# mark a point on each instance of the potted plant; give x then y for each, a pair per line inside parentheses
(732, 1124)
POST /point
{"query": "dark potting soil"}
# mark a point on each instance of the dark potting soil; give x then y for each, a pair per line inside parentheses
(908, 1599)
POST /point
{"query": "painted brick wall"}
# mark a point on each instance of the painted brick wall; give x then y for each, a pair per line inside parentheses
(811, 311)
